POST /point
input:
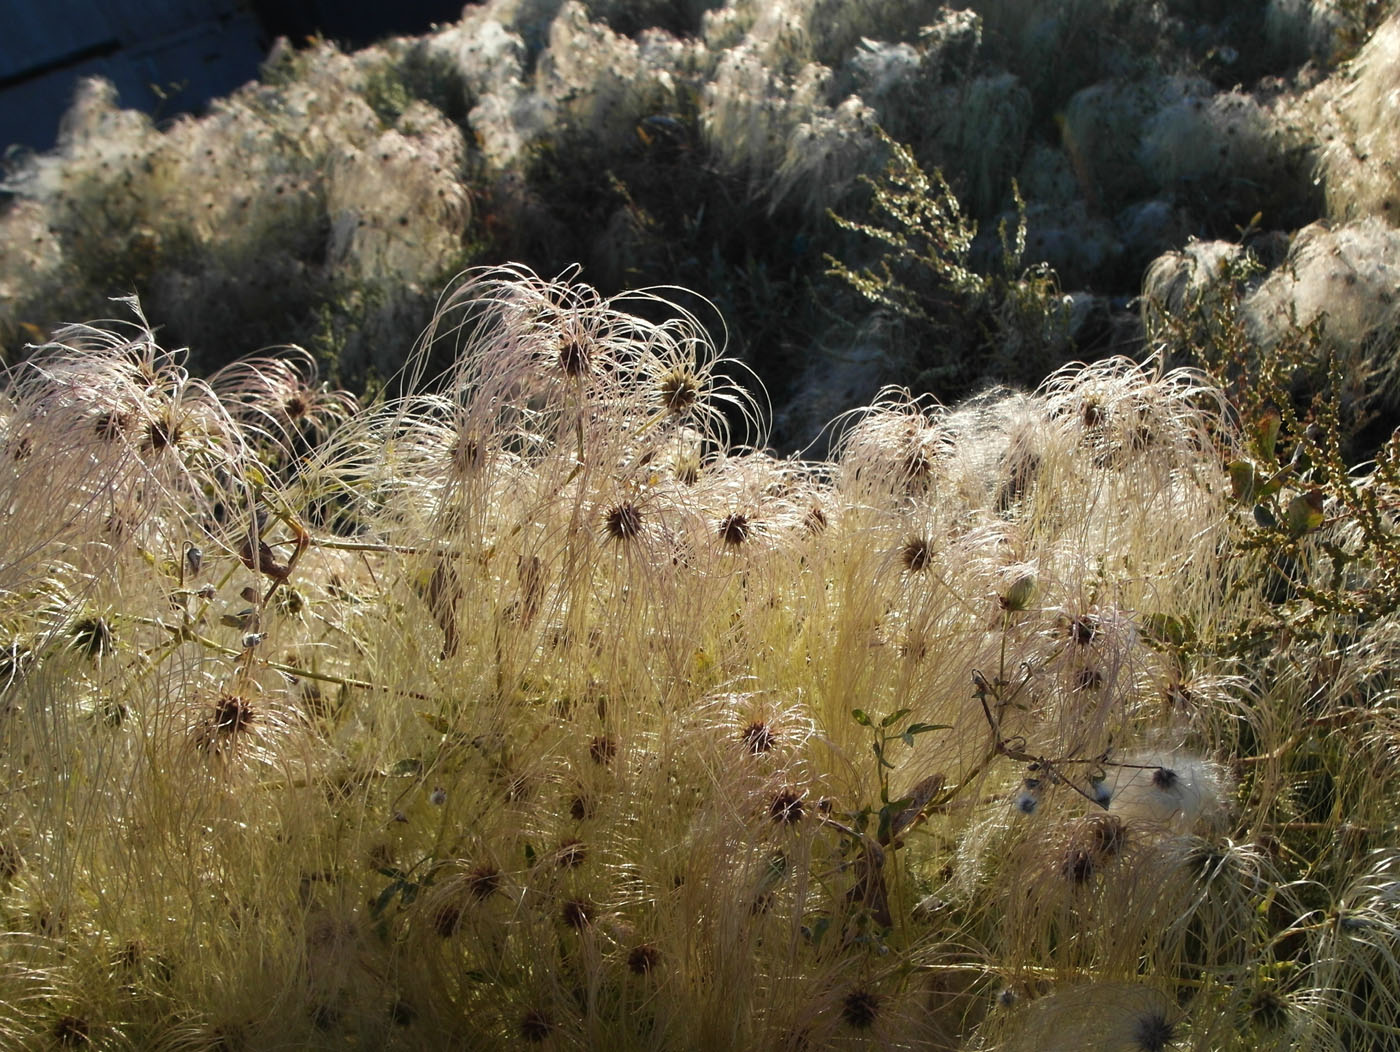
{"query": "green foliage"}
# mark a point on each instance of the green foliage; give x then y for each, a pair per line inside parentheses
(967, 327)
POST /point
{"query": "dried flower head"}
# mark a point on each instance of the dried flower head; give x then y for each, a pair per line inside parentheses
(483, 881)
(575, 356)
(643, 959)
(916, 554)
(577, 913)
(787, 807)
(678, 389)
(860, 1009)
(623, 522)
(734, 529)
(758, 737)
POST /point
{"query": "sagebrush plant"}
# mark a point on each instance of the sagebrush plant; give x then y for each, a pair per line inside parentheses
(539, 704)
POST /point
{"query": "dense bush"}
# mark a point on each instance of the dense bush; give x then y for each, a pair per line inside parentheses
(530, 698)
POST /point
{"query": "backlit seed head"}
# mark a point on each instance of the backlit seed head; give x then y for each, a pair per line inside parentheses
(575, 357)
(735, 529)
(860, 1009)
(915, 468)
(232, 714)
(161, 433)
(92, 637)
(758, 737)
(916, 554)
(623, 522)
(787, 807)
(1088, 679)
(678, 391)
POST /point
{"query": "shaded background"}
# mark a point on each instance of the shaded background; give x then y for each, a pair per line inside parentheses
(167, 56)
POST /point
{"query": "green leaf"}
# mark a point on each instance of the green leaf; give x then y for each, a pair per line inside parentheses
(408, 765)
(1169, 629)
(1264, 517)
(894, 717)
(924, 728)
(1305, 513)
(436, 722)
(381, 903)
(1244, 480)
(859, 715)
(1266, 431)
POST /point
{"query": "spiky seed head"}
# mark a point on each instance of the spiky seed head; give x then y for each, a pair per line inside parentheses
(758, 737)
(1107, 834)
(734, 529)
(623, 522)
(161, 433)
(643, 959)
(1079, 865)
(232, 715)
(678, 390)
(917, 553)
(577, 913)
(483, 881)
(1092, 413)
(466, 455)
(1164, 778)
(860, 1009)
(787, 807)
(575, 357)
(1084, 629)
(92, 637)
(1153, 1032)
(296, 406)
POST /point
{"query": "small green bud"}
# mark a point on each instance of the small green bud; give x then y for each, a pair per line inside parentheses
(1019, 595)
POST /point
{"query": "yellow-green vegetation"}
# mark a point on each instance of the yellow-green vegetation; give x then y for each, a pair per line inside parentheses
(539, 706)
